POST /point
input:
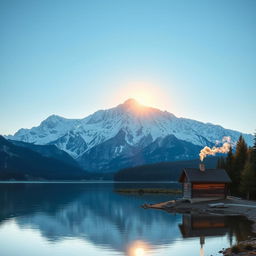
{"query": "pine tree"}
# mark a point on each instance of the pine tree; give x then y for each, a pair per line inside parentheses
(248, 181)
(229, 162)
(218, 163)
(239, 164)
(253, 156)
(248, 177)
(221, 163)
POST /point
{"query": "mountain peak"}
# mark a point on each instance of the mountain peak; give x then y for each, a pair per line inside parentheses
(131, 102)
(52, 121)
(54, 117)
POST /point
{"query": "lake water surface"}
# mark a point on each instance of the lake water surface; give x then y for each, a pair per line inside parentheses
(92, 219)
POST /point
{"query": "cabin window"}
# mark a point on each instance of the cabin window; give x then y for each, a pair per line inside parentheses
(208, 186)
(208, 190)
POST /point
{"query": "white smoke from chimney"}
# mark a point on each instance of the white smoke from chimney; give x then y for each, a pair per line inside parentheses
(214, 150)
(226, 139)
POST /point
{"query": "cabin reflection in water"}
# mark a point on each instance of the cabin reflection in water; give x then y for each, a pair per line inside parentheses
(203, 226)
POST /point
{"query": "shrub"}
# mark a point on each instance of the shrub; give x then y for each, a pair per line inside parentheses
(248, 247)
(235, 249)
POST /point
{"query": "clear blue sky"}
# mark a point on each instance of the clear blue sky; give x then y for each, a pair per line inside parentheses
(196, 59)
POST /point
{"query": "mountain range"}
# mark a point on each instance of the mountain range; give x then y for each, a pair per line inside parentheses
(24, 161)
(127, 135)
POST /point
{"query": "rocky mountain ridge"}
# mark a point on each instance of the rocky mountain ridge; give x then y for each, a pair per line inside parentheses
(126, 135)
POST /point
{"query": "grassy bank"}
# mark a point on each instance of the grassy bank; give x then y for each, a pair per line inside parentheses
(142, 191)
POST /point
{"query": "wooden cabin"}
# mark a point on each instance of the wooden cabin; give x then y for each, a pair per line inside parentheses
(204, 183)
(203, 225)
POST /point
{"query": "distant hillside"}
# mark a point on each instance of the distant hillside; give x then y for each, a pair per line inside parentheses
(48, 151)
(21, 163)
(165, 171)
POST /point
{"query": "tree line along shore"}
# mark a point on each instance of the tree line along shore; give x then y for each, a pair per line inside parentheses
(241, 168)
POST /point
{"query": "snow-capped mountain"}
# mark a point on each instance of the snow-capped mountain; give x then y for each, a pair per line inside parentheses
(126, 135)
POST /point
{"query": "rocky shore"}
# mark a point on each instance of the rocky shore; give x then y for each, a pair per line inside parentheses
(243, 248)
(229, 206)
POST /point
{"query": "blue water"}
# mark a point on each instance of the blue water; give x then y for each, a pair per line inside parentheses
(92, 219)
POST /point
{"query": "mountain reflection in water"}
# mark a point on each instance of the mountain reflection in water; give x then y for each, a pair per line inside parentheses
(110, 221)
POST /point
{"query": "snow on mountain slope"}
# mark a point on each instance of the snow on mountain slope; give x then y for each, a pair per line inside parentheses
(140, 125)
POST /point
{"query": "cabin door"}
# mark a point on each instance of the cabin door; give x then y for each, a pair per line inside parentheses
(187, 190)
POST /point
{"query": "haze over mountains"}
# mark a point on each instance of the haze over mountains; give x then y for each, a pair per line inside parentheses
(127, 135)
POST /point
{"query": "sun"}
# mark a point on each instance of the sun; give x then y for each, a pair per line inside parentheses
(143, 98)
(138, 248)
(144, 93)
(139, 251)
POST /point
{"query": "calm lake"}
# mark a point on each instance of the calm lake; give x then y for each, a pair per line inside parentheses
(92, 219)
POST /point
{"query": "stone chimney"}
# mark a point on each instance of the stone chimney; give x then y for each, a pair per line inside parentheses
(201, 167)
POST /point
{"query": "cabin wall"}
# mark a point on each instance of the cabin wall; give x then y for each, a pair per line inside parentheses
(209, 190)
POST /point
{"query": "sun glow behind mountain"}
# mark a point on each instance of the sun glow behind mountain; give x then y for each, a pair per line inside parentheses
(143, 98)
(138, 109)
(146, 94)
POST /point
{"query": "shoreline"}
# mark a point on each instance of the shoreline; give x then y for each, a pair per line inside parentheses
(86, 181)
(225, 207)
(145, 191)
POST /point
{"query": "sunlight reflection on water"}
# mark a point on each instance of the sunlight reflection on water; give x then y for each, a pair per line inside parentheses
(138, 248)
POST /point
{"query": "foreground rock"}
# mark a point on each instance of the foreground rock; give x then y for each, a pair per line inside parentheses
(244, 248)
